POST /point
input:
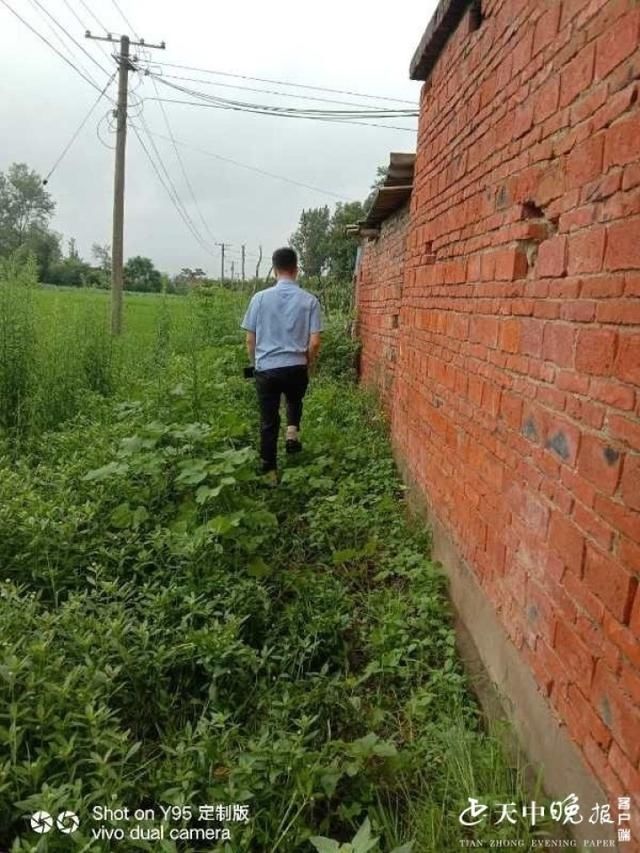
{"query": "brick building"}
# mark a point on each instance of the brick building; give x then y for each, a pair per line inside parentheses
(498, 298)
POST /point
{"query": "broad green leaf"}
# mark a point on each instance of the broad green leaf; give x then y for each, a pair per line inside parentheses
(107, 471)
(324, 845)
(258, 568)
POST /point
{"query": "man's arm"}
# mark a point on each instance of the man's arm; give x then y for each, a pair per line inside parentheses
(316, 327)
(314, 349)
(249, 323)
(251, 346)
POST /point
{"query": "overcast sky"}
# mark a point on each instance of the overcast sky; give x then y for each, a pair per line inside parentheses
(335, 44)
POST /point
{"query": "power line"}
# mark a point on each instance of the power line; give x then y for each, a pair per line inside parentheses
(289, 111)
(256, 89)
(68, 34)
(286, 83)
(258, 112)
(169, 186)
(125, 19)
(79, 129)
(59, 39)
(182, 167)
(251, 168)
(84, 27)
(93, 15)
(54, 49)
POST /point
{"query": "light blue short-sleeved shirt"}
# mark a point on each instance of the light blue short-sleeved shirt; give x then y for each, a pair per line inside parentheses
(283, 317)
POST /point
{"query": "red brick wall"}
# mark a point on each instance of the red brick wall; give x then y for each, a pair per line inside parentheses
(516, 393)
(379, 289)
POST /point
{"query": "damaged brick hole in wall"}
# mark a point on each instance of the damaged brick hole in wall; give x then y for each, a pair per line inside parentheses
(530, 211)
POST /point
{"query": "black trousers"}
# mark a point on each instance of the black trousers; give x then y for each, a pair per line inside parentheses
(270, 385)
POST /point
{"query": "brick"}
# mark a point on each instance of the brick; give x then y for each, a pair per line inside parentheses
(582, 597)
(627, 521)
(623, 246)
(567, 541)
(584, 163)
(631, 176)
(617, 43)
(634, 622)
(511, 264)
(509, 335)
(531, 337)
(625, 430)
(627, 366)
(484, 330)
(600, 464)
(558, 344)
(613, 585)
(586, 251)
(546, 28)
(624, 770)
(523, 119)
(574, 654)
(522, 51)
(593, 526)
(612, 393)
(617, 712)
(629, 556)
(623, 142)
(577, 76)
(552, 258)
(630, 482)
(602, 286)
(511, 409)
(547, 99)
(619, 311)
(622, 637)
(595, 351)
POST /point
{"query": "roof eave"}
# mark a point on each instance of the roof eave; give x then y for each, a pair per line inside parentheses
(442, 25)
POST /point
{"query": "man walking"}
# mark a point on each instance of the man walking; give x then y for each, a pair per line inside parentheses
(283, 325)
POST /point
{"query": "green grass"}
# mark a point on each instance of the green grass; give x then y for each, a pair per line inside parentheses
(173, 632)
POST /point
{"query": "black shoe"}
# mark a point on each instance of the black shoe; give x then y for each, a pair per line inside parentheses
(293, 445)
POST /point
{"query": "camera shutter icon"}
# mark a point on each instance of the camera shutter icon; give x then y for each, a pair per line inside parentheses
(67, 822)
(41, 822)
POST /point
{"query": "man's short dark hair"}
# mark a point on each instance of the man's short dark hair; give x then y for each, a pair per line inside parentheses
(285, 259)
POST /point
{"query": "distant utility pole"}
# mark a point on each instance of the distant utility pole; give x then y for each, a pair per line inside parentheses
(233, 270)
(244, 249)
(117, 250)
(259, 262)
(223, 246)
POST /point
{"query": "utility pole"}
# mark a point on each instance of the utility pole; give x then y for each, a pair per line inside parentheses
(117, 248)
(233, 270)
(223, 246)
(259, 262)
(244, 249)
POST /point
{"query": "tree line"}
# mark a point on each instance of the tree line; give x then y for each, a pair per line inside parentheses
(26, 209)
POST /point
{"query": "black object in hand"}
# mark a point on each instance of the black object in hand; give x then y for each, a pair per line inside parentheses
(249, 372)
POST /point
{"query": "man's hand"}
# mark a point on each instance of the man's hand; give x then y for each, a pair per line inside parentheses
(313, 351)
(251, 347)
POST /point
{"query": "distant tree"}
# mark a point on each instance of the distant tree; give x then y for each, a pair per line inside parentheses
(342, 250)
(311, 240)
(44, 245)
(25, 206)
(102, 256)
(72, 249)
(140, 274)
(381, 174)
(72, 271)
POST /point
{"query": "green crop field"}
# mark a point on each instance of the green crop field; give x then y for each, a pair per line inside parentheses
(174, 633)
